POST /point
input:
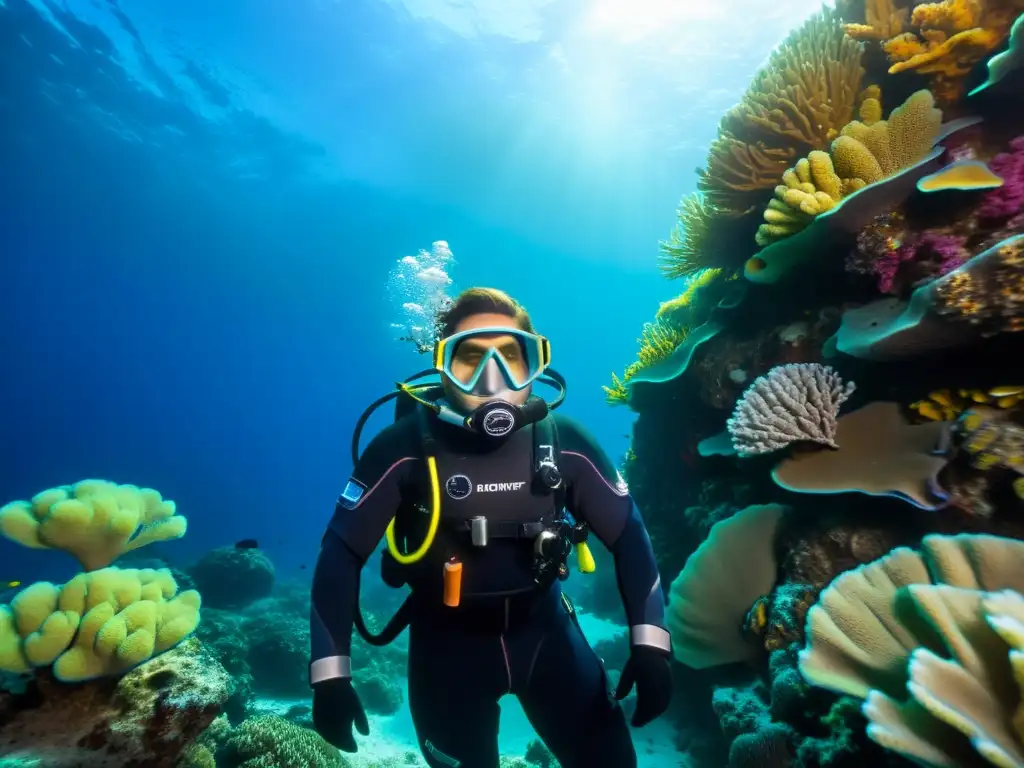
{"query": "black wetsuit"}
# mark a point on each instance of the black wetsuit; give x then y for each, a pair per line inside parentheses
(508, 635)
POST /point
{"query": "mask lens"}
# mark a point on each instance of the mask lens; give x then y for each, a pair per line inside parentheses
(517, 354)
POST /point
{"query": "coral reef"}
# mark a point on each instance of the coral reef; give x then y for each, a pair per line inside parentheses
(792, 403)
(889, 246)
(272, 742)
(944, 625)
(879, 454)
(864, 153)
(798, 102)
(658, 340)
(230, 577)
(148, 717)
(706, 607)
(100, 623)
(951, 37)
(95, 521)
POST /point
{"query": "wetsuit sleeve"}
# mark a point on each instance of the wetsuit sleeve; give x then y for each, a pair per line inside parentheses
(366, 506)
(598, 495)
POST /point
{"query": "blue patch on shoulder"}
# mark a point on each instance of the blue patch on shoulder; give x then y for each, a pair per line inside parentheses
(353, 492)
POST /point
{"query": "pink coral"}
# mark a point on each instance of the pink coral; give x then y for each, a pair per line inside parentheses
(926, 255)
(1006, 201)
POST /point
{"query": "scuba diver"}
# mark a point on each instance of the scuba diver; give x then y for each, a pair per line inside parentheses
(482, 493)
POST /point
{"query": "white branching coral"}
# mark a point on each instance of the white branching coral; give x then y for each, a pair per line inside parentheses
(791, 403)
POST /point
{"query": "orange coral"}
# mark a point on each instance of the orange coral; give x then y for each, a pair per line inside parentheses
(952, 37)
(883, 20)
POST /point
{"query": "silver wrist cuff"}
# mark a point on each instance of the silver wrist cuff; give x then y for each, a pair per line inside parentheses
(648, 634)
(330, 668)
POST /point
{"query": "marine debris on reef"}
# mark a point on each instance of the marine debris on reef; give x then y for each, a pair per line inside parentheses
(945, 625)
(791, 403)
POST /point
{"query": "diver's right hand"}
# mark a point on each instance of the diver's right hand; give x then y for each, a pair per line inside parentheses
(336, 708)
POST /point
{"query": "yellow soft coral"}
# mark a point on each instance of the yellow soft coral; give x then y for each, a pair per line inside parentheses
(866, 152)
(682, 302)
(94, 520)
(99, 623)
(947, 404)
(951, 37)
(658, 340)
(797, 103)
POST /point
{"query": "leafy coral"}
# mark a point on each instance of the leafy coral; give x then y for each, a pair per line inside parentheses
(942, 40)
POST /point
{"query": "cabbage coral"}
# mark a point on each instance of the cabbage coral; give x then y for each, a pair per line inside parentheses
(933, 641)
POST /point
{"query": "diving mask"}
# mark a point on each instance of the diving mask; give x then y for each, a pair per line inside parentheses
(493, 361)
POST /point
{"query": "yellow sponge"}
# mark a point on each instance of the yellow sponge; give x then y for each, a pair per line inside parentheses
(95, 521)
(98, 624)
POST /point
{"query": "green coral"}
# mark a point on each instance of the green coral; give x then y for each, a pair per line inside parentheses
(269, 741)
(658, 341)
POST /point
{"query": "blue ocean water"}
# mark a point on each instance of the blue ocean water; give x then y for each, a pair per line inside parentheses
(200, 205)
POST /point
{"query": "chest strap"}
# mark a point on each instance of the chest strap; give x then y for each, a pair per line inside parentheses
(502, 529)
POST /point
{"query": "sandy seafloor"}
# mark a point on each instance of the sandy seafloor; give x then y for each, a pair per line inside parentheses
(393, 736)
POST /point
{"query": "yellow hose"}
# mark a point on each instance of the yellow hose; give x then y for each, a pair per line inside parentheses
(435, 519)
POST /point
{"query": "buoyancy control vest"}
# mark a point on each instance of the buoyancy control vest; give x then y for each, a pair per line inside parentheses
(494, 506)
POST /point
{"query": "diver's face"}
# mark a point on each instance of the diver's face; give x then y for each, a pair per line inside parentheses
(471, 351)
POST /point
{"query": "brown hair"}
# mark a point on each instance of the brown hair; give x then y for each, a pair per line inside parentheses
(478, 301)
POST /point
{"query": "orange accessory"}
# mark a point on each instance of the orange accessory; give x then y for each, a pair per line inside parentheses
(452, 583)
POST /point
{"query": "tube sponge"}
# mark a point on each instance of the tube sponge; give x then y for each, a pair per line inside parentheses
(98, 624)
(95, 521)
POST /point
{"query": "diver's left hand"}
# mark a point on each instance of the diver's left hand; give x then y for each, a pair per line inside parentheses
(650, 670)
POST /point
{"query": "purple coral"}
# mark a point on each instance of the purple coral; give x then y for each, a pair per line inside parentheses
(932, 254)
(1005, 201)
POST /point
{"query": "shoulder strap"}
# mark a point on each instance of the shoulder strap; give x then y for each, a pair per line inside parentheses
(545, 446)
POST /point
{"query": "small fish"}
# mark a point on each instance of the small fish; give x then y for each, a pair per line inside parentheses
(247, 544)
(302, 567)
(10, 585)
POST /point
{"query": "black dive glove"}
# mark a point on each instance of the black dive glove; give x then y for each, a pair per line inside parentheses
(336, 708)
(650, 670)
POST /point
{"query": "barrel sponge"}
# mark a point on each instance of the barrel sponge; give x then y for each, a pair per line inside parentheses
(98, 624)
(730, 570)
(95, 521)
